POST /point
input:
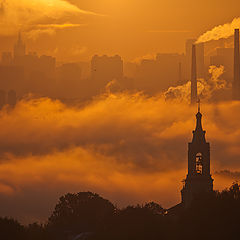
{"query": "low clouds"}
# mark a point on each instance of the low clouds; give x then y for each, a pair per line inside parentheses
(127, 147)
(122, 126)
(49, 29)
(229, 174)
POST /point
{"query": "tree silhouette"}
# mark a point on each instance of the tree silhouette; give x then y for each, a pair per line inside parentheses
(212, 216)
(139, 222)
(154, 208)
(36, 231)
(81, 212)
(87, 215)
(11, 229)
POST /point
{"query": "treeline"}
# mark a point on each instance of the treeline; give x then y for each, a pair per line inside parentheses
(86, 215)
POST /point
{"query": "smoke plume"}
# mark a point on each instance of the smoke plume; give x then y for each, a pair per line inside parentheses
(206, 89)
(221, 31)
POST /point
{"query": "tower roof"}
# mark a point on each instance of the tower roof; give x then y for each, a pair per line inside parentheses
(199, 133)
(199, 122)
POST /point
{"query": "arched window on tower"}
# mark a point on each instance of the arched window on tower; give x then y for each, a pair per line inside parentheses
(199, 164)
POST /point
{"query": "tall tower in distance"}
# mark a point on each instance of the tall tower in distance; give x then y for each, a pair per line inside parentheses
(19, 48)
(236, 81)
(200, 48)
(199, 179)
(180, 74)
(194, 96)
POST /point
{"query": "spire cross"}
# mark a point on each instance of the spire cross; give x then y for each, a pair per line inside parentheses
(199, 104)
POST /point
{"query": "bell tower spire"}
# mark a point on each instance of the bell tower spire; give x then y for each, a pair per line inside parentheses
(199, 133)
(199, 179)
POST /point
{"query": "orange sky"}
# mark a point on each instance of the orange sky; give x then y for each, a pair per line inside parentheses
(129, 28)
(130, 148)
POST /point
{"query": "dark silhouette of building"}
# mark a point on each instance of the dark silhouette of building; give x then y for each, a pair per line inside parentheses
(130, 69)
(47, 65)
(105, 69)
(2, 98)
(7, 58)
(19, 48)
(236, 81)
(200, 60)
(69, 80)
(156, 75)
(12, 98)
(180, 82)
(199, 180)
(11, 77)
(9, 98)
(194, 95)
(224, 57)
(27, 72)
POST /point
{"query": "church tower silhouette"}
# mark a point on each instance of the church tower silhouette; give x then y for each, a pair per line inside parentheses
(199, 179)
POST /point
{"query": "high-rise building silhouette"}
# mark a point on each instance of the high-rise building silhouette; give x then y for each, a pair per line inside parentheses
(12, 98)
(19, 48)
(180, 74)
(2, 98)
(6, 58)
(236, 81)
(12, 77)
(105, 69)
(224, 57)
(156, 75)
(200, 60)
(199, 180)
(69, 80)
(194, 96)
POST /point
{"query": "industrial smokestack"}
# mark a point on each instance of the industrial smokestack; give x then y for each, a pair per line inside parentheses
(194, 96)
(180, 74)
(236, 81)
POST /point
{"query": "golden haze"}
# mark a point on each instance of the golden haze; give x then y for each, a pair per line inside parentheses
(130, 148)
(128, 28)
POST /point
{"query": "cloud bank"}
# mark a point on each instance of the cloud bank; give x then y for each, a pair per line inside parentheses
(130, 148)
